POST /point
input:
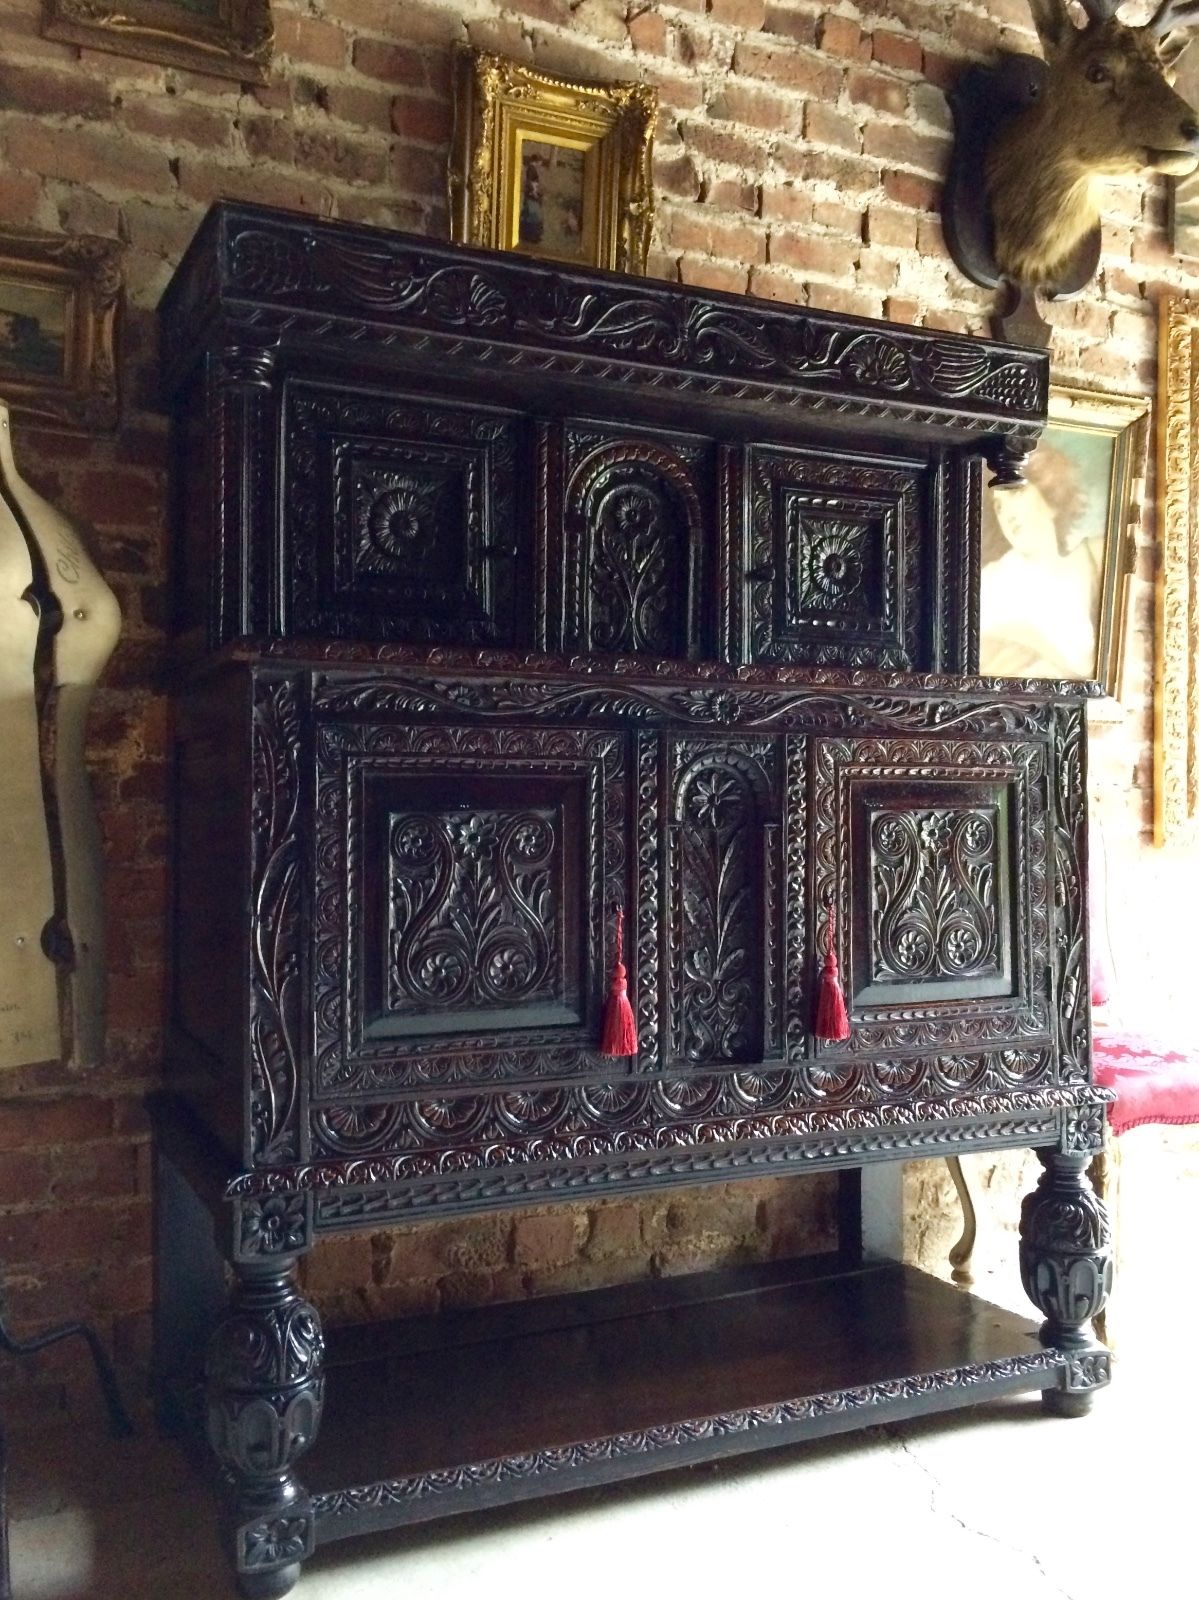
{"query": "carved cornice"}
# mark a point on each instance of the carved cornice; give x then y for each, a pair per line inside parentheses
(284, 276)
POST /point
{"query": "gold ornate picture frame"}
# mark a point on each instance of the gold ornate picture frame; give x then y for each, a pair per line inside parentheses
(1176, 640)
(552, 168)
(59, 298)
(229, 38)
(1058, 550)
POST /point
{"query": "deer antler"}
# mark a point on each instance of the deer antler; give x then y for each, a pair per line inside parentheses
(1171, 16)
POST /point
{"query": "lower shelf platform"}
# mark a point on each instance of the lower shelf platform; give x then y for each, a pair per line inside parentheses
(430, 1417)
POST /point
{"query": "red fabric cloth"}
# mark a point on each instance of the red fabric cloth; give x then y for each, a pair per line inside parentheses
(1154, 1082)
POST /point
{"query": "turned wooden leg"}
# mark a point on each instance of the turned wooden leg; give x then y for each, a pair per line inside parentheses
(962, 1253)
(265, 1387)
(1066, 1269)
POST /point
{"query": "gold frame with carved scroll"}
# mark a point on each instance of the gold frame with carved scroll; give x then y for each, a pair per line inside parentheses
(78, 277)
(1176, 650)
(234, 41)
(502, 108)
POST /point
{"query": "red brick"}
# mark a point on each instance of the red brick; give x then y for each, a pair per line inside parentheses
(877, 271)
(850, 174)
(730, 194)
(838, 218)
(900, 310)
(757, 108)
(875, 89)
(365, 108)
(802, 70)
(89, 157)
(831, 297)
(887, 226)
(203, 181)
(930, 239)
(25, 1177)
(351, 161)
(810, 253)
(732, 241)
(390, 63)
(787, 202)
(749, 14)
(723, 144)
(95, 1172)
(676, 175)
(546, 1241)
(797, 25)
(115, 495)
(897, 50)
(50, 93)
(44, 1124)
(776, 283)
(68, 1233)
(708, 275)
(173, 119)
(901, 144)
(308, 39)
(428, 120)
(19, 195)
(703, 47)
(841, 37)
(906, 189)
(647, 30)
(823, 125)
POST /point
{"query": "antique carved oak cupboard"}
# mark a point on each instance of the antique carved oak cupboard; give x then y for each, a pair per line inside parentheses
(510, 595)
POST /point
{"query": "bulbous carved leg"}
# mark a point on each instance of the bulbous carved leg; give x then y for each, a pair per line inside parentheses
(265, 1389)
(1066, 1269)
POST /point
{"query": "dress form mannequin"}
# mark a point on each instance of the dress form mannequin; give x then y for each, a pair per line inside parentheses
(75, 655)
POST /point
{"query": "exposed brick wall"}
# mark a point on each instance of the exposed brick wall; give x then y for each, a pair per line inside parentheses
(799, 157)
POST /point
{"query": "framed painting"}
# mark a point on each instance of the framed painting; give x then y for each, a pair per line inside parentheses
(1058, 549)
(1176, 634)
(58, 311)
(552, 168)
(229, 38)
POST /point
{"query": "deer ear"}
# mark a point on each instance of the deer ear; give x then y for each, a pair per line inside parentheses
(1053, 25)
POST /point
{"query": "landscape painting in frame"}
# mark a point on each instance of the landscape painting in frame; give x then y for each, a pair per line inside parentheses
(228, 38)
(1057, 549)
(59, 297)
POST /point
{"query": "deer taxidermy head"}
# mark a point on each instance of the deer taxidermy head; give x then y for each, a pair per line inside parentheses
(1036, 139)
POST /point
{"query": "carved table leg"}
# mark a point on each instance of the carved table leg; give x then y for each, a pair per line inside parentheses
(1066, 1269)
(962, 1253)
(265, 1390)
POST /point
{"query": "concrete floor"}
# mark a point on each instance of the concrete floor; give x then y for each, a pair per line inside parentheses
(995, 1503)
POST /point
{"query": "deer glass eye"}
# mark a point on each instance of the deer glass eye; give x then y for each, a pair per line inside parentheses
(1098, 74)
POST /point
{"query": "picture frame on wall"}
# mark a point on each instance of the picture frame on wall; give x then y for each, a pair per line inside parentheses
(1176, 609)
(1057, 550)
(59, 298)
(550, 167)
(227, 38)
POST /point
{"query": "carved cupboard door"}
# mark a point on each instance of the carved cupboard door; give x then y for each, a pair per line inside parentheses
(712, 897)
(936, 854)
(462, 936)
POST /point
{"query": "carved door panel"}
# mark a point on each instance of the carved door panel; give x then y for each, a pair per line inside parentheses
(463, 879)
(401, 520)
(832, 561)
(632, 515)
(935, 853)
(713, 889)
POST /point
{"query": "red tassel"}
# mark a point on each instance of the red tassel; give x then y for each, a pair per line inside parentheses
(619, 1037)
(832, 1019)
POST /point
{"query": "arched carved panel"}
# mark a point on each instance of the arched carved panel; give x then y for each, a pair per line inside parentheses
(635, 514)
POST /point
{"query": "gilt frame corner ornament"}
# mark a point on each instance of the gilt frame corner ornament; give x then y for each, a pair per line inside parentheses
(1176, 632)
(225, 38)
(589, 144)
(60, 295)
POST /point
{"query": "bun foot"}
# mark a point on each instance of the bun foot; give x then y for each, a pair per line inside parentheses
(1067, 1402)
(269, 1585)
